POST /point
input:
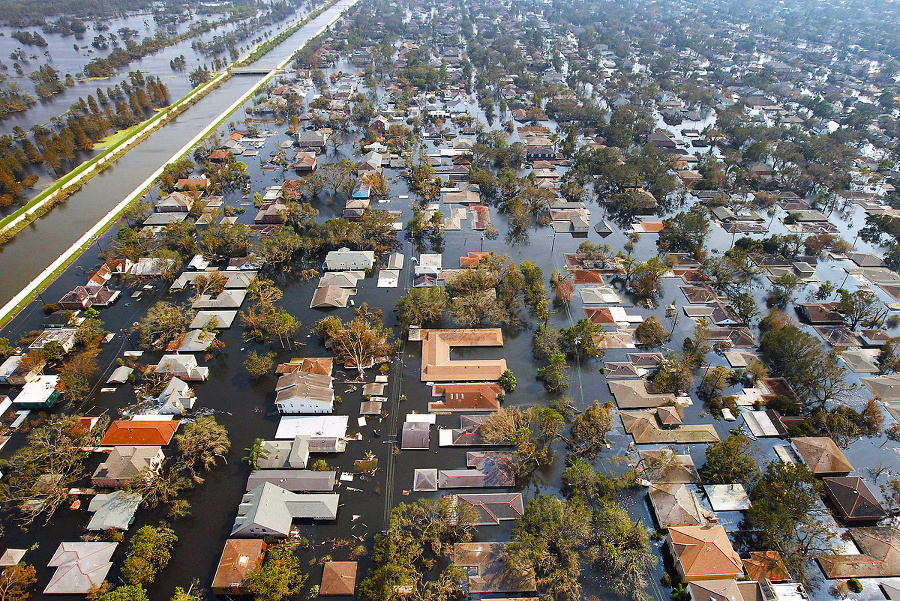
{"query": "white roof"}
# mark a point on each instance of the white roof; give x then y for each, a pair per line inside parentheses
(325, 426)
(38, 390)
(80, 567)
(727, 497)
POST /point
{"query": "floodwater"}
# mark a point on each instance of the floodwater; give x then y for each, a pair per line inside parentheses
(35, 247)
(247, 409)
(66, 60)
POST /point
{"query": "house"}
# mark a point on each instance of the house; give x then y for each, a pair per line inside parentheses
(437, 365)
(176, 202)
(125, 462)
(855, 503)
(818, 314)
(345, 259)
(731, 590)
(466, 397)
(338, 578)
(676, 505)
(64, 336)
(879, 555)
(40, 392)
(294, 480)
(113, 511)
(488, 569)
(271, 213)
(181, 366)
(331, 296)
(19, 370)
(633, 394)
(304, 162)
(140, 432)
(315, 140)
(371, 162)
(487, 469)
(822, 455)
(192, 183)
(80, 567)
(227, 299)
(667, 466)
(703, 553)
(302, 392)
(645, 428)
(325, 432)
(283, 454)
(492, 508)
(269, 510)
(82, 297)
(240, 558)
(176, 398)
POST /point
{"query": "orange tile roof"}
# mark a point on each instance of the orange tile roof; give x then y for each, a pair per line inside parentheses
(138, 432)
(705, 552)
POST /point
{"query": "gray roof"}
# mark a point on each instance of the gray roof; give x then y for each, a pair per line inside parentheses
(294, 480)
(269, 510)
(282, 454)
(114, 510)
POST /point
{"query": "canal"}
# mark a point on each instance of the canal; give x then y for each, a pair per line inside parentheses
(35, 247)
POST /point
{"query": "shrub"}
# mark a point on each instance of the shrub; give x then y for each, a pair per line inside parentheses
(507, 381)
(854, 585)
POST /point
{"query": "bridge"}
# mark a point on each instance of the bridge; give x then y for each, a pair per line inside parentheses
(254, 70)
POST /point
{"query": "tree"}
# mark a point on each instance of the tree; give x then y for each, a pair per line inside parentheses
(15, 582)
(786, 509)
(686, 232)
(507, 381)
(582, 341)
(674, 373)
(150, 550)
(258, 365)
(651, 333)
(530, 430)
(729, 461)
(815, 374)
(861, 306)
(553, 375)
(645, 277)
(562, 288)
(125, 593)
(590, 428)
(202, 443)
(361, 342)
(420, 306)
(163, 324)
(278, 576)
(211, 283)
(42, 471)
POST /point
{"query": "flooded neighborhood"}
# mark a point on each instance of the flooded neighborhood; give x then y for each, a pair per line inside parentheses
(454, 300)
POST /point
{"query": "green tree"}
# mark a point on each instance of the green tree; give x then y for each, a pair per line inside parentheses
(163, 324)
(421, 306)
(651, 333)
(786, 509)
(258, 365)
(278, 576)
(202, 443)
(590, 428)
(125, 593)
(730, 461)
(150, 550)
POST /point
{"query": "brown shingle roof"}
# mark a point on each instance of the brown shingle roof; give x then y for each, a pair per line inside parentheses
(338, 578)
(853, 499)
(822, 455)
(879, 558)
(239, 558)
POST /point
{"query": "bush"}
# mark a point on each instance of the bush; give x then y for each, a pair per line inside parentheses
(854, 585)
(52, 308)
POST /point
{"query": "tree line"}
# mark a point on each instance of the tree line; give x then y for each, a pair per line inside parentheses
(86, 123)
